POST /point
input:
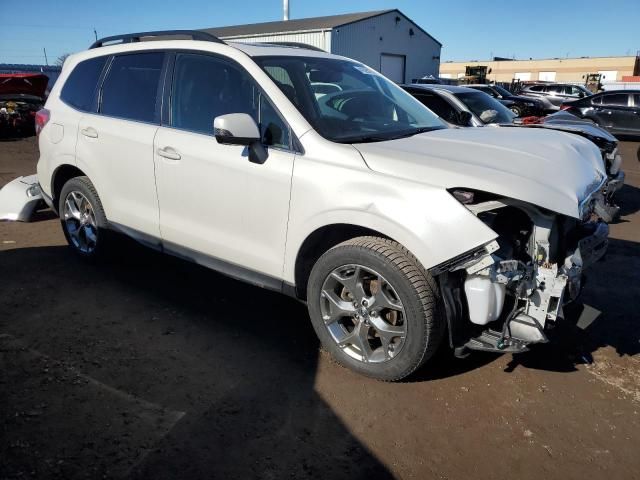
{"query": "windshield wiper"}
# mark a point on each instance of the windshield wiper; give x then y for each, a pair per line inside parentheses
(363, 139)
(413, 132)
(388, 136)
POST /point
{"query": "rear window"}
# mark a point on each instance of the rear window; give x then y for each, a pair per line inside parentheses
(79, 91)
(130, 89)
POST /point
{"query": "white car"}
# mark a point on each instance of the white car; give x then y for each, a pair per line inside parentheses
(397, 232)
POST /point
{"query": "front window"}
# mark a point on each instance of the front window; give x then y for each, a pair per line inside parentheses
(348, 102)
(486, 108)
(206, 87)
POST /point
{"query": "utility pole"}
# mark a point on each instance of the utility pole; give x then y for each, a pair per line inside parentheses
(46, 60)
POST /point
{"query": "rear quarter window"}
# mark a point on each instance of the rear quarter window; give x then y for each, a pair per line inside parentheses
(79, 91)
(616, 99)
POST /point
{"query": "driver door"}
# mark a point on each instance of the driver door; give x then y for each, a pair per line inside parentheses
(216, 207)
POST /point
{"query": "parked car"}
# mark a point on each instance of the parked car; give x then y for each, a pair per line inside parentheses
(552, 95)
(521, 106)
(617, 111)
(21, 96)
(391, 227)
(466, 107)
(461, 106)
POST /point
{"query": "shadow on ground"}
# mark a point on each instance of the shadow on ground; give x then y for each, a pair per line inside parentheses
(160, 338)
(239, 361)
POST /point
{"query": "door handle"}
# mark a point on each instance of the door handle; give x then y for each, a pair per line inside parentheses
(168, 152)
(89, 132)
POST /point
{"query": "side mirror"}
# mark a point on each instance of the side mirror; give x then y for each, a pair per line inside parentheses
(240, 129)
(581, 95)
(464, 118)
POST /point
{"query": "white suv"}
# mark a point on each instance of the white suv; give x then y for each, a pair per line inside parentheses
(313, 175)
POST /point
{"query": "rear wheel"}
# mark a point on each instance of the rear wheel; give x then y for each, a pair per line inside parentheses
(375, 308)
(82, 217)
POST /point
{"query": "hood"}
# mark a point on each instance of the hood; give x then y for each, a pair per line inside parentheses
(550, 169)
(23, 83)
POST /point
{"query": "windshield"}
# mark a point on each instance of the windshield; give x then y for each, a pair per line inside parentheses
(348, 102)
(486, 108)
(503, 91)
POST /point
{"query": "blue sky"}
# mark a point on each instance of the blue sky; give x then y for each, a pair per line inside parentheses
(468, 29)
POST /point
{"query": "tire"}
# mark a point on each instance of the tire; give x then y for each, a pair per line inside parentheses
(393, 323)
(516, 109)
(83, 220)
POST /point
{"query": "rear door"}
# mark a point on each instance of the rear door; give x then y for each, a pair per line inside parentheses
(216, 207)
(635, 127)
(115, 146)
(615, 112)
(555, 94)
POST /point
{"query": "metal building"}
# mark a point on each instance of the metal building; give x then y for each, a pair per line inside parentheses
(386, 40)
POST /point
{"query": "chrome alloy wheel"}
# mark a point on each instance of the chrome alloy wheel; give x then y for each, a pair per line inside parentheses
(363, 313)
(80, 222)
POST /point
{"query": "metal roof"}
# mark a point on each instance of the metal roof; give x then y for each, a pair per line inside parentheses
(294, 25)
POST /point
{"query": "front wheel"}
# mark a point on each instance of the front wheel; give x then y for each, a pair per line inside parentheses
(517, 110)
(375, 308)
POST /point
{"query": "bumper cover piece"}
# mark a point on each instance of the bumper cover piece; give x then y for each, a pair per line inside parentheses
(19, 198)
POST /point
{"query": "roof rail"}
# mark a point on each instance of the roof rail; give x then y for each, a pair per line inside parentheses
(137, 37)
(295, 45)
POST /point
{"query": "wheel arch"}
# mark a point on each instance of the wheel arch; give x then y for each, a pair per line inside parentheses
(318, 242)
(61, 175)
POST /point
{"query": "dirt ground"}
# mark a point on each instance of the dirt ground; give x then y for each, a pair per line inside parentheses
(150, 367)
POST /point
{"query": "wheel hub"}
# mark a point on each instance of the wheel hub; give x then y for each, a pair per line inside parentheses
(79, 222)
(363, 313)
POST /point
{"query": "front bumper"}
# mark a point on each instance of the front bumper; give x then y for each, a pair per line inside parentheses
(614, 183)
(19, 198)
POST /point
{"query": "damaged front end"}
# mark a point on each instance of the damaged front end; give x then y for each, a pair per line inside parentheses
(506, 295)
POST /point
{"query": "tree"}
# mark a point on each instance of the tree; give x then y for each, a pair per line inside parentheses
(60, 60)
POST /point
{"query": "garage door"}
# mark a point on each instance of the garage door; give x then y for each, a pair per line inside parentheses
(392, 67)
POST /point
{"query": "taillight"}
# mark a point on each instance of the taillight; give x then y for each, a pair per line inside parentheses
(42, 118)
(565, 107)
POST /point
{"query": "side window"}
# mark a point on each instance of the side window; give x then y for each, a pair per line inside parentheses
(273, 130)
(79, 91)
(554, 89)
(205, 87)
(537, 88)
(596, 101)
(615, 99)
(439, 106)
(637, 99)
(130, 89)
(488, 91)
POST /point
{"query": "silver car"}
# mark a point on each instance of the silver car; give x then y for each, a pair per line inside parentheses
(554, 94)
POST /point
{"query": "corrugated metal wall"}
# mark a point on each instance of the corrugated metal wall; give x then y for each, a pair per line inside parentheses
(368, 39)
(320, 39)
